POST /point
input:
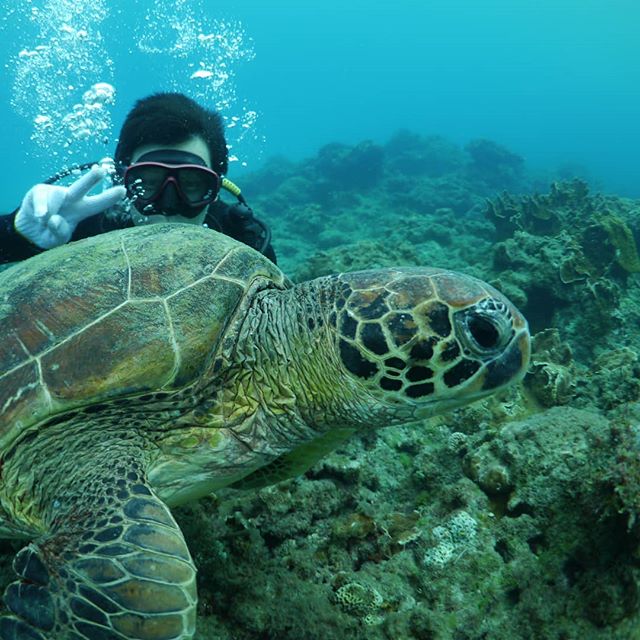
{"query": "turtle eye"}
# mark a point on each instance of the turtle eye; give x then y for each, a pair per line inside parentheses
(484, 332)
(485, 328)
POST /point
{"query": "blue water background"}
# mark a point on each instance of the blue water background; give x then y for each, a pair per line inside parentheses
(557, 82)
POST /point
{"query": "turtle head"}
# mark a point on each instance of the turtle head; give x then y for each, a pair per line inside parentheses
(428, 340)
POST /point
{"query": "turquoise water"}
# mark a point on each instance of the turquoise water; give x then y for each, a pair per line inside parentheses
(555, 82)
(513, 519)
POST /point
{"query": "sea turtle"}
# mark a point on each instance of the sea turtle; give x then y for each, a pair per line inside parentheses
(147, 367)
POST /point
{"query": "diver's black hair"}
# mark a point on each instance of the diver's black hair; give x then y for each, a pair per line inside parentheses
(172, 118)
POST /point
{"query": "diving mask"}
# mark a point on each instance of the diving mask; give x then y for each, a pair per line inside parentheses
(171, 182)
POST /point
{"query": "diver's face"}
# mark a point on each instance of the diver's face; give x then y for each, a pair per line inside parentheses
(195, 145)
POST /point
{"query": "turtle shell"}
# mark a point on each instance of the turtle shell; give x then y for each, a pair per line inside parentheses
(138, 310)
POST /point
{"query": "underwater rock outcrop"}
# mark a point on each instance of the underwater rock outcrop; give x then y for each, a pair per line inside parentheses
(494, 164)
(551, 375)
(570, 256)
(410, 154)
(457, 530)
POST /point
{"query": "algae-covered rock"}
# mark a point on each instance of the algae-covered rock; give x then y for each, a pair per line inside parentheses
(411, 154)
(624, 473)
(551, 376)
(350, 167)
(559, 464)
(613, 379)
(621, 237)
(493, 163)
(457, 530)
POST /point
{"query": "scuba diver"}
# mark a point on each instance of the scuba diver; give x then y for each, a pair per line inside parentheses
(170, 164)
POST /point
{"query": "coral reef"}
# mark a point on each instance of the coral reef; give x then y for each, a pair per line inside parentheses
(551, 375)
(357, 167)
(525, 531)
(410, 154)
(494, 164)
(540, 214)
(423, 186)
(583, 251)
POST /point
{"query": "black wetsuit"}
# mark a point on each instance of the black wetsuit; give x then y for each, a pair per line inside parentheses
(235, 221)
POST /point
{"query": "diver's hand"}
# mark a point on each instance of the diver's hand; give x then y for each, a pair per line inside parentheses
(49, 214)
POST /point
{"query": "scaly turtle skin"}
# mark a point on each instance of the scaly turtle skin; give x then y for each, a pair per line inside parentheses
(147, 367)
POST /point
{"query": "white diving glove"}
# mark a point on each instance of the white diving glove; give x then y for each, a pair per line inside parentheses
(49, 214)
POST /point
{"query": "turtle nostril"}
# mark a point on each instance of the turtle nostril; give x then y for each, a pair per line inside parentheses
(484, 332)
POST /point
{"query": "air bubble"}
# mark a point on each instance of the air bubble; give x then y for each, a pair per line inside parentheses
(62, 78)
(202, 56)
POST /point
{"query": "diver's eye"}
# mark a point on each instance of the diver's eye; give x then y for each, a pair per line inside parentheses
(484, 332)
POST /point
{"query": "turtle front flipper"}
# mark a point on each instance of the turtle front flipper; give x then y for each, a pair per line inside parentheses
(114, 565)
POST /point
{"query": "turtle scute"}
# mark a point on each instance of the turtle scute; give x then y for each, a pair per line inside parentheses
(118, 314)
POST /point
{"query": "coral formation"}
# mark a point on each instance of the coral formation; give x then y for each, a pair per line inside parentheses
(583, 252)
(360, 601)
(410, 154)
(551, 376)
(494, 164)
